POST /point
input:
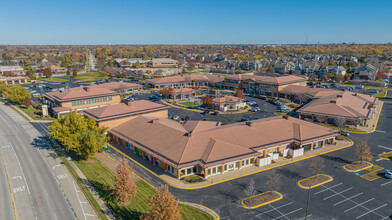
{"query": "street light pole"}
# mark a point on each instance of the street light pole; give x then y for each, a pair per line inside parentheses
(307, 204)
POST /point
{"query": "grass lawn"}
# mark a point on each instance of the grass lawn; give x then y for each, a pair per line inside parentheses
(30, 111)
(102, 180)
(382, 94)
(189, 104)
(54, 79)
(336, 128)
(92, 76)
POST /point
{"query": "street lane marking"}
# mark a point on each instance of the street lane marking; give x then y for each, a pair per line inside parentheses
(370, 211)
(337, 193)
(306, 217)
(5, 146)
(347, 199)
(327, 188)
(24, 178)
(384, 147)
(18, 189)
(273, 209)
(358, 204)
(16, 177)
(62, 176)
(89, 214)
(58, 165)
(380, 131)
(84, 214)
(379, 159)
(288, 213)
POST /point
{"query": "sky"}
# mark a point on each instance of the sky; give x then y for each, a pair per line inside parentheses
(53, 22)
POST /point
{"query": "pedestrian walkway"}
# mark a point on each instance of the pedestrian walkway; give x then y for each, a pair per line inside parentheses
(119, 150)
(26, 116)
(372, 123)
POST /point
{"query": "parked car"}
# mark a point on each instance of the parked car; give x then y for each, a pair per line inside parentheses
(205, 112)
(176, 117)
(186, 118)
(255, 105)
(254, 109)
(244, 119)
(374, 91)
(359, 86)
(333, 86)
(215, 113)
(344, 133)
(388, 174)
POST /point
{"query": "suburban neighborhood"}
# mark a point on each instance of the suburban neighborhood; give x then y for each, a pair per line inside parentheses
(119, 112)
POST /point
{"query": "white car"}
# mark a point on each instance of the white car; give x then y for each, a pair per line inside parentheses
(176, 117)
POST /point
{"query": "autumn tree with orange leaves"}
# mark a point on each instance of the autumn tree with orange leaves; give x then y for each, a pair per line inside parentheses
(124, 187)
(163, 205)
(239, 93)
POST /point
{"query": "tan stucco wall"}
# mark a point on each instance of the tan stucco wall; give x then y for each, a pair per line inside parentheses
(115, 99)
(114, 123)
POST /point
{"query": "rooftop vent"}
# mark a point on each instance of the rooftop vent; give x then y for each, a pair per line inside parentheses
(155, 121)
(249, 123)
(333, 101)
(340, 96)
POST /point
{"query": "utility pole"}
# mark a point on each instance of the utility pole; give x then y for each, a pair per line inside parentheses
(307, 204)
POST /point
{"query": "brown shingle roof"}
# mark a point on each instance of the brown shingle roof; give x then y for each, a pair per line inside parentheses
(186, 78)
(209, 143)
(79, 93)
(275, 80)
(117, 85)
(122, 109)
(226, 100)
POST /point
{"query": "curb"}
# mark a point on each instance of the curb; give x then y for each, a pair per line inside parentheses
(318, 184)
(265, 203)
(354, 171)
(201, 207)
(222, 181)
(384, 158)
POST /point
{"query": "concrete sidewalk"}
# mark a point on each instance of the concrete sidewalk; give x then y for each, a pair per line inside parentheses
(173, 181)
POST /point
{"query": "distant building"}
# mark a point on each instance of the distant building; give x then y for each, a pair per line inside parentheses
(12, 71)
(228, 103)
(183, 81)
(153, 63)
(11, 80)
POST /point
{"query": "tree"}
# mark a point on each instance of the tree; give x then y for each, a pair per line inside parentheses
(166, 92)
(47, 72)
(321, 119)
(362, 151)
(273, 180)
(271, 69)
(340, 123)
(137, 64)
(302, 98)
(124, 187)
(316, 165)
(74, 73)
(68, 72)
(164, 206)
(3, 87)
(79, 134)
(250, 189)
(27, 102)
(239, 93)
(207, 100)
(339, 77)
(17, 94)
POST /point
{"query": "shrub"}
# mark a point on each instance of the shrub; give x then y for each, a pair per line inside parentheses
(38, 112)
(194, 179)
(339, 137)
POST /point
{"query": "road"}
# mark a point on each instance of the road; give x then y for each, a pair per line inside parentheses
(40, 185)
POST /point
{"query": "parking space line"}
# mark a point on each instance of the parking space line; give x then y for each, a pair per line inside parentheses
(370, 176)
(384, 147)
(306, 217)
(327, 188)
(371, 211)
(347, 199)
(390, 181)
(358, 204)
(282, 215)
(273, 209)
(288, 213)
(337, 193)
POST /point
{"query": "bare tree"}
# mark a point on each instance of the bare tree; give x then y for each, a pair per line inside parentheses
(250, 189)
(321, 119)
(340, 123)
(316, 166)
(163, 206)
(273, 180)
(124, 187)
(362, 150)
(302, 98)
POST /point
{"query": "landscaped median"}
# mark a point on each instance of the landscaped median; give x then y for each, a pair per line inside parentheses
(386, 156)
(357, 166)
(381, 94)
(314, 181)
(261, 199)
